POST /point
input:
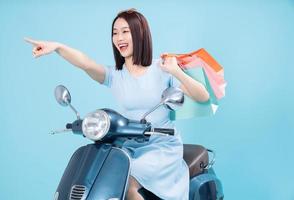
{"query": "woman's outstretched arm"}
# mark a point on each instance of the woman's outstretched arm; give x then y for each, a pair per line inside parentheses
(74, 56)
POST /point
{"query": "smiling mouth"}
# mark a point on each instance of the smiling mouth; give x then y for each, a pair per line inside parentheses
(123, 47)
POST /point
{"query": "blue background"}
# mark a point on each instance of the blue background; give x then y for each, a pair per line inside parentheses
(252, 131)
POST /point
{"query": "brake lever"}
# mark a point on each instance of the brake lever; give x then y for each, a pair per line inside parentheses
(155, 133)
(60, 131)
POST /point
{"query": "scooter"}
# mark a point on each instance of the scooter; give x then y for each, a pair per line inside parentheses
(100, 171)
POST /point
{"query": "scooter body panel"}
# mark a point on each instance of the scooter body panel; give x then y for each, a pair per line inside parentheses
(206, 186)
(112, 180)
(92, 172)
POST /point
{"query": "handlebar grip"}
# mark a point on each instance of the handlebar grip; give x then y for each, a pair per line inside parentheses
(169, 131)
(69, 126)
(76, 126)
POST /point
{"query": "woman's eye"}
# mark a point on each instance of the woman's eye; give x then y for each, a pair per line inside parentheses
(114, 34)
(125, 31)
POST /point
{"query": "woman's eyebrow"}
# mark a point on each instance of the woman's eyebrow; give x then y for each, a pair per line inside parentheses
(121, 28)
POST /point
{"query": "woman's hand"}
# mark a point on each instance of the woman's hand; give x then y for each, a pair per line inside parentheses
(74, 56)
(190, 87)
(41, 48)
(169, 64)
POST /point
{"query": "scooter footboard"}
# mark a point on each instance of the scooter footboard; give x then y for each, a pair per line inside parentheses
(206, 186)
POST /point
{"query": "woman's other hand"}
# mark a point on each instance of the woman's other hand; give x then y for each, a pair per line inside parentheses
(41, 48)
(169, 64)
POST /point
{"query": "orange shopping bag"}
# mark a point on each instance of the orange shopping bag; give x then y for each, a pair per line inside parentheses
(201, 66)
(213, 70)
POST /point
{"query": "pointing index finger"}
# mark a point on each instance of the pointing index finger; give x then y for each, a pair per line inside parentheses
(31, 41)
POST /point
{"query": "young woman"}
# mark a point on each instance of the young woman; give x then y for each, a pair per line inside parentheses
(137, 82)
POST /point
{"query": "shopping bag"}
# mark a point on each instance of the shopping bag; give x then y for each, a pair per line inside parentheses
(213, 70)
(201, 66)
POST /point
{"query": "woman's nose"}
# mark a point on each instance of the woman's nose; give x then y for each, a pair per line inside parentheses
(120, 37)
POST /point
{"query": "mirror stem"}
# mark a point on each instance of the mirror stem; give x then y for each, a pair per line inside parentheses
(78, 115)
(146, 114)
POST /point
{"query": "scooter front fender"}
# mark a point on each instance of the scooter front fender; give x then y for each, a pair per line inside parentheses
(94, 172)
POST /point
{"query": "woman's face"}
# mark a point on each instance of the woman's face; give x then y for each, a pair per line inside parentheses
(122, 38)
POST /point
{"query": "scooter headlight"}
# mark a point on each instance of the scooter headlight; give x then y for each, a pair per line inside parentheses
(96, 125)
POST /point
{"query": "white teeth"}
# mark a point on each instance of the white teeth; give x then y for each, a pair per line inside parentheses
(122, 45)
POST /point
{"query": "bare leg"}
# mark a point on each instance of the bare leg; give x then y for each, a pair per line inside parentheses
(133, 193)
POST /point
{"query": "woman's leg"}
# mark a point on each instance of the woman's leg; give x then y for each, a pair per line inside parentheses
(133, 193)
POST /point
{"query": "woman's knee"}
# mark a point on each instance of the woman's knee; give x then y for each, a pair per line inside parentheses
(133, 188)
(133, 182)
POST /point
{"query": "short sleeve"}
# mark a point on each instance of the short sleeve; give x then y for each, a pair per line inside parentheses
(108, 76)
(174, 82)
(171, 81)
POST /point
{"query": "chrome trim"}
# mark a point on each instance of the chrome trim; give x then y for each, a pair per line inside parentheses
(127, 183)
(75, 111)
(149, 133)
(105, 114)
(78, 192)
(56, 195)
(212, 161)
(172, 97)
(59, 131)
(150, 111)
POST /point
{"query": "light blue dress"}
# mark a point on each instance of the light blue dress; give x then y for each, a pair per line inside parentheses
(158, 164)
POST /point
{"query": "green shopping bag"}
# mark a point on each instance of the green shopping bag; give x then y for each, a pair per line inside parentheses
(192, 109)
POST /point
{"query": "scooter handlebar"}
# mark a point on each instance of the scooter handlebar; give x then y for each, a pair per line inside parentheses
(168, 131)
(68, 126)
(160, 131)
(76, 126)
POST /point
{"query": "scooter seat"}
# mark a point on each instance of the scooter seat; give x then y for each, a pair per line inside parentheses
(196, 157)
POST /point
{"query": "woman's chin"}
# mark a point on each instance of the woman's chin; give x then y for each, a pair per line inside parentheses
(125, 55)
